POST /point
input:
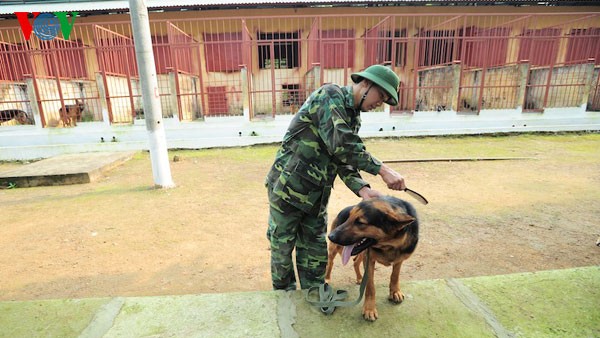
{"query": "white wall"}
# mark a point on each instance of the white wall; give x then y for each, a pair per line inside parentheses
(29, 142)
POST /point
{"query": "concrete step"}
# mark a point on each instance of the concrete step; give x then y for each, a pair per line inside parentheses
(556, 303)
(64, 169)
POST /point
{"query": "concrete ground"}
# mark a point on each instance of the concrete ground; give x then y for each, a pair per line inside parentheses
(557, 303)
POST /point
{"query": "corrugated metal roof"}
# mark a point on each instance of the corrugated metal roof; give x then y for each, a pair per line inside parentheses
(11, 6)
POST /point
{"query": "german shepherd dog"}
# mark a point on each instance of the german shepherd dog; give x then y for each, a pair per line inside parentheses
(70, 113)
(388, 228)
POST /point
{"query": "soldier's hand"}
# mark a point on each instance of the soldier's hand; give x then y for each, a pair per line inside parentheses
(368, 193)
(394, 180)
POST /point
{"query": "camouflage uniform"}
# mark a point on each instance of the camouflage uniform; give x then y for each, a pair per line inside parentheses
(321, 142)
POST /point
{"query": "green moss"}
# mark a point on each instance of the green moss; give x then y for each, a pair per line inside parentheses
(47, 318)
(559, 303)
(429, 310)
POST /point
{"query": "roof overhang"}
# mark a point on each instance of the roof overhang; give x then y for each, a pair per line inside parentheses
(49, 6)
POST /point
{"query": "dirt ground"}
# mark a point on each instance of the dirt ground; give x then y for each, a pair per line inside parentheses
(120, 237)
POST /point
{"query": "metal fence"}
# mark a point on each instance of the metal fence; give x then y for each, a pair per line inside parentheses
(266, 65)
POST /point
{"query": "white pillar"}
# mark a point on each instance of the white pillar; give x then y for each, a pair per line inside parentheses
(150, 94)
(103, 102)
(33, 101)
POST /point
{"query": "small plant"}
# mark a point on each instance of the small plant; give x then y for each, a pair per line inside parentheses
(87, 117)
(11, 185)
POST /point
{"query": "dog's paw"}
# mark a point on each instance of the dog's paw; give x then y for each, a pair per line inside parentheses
(358, 280)
(370, 314)
(396, 297)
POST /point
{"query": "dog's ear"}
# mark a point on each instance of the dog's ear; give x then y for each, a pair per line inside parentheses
(402, 220)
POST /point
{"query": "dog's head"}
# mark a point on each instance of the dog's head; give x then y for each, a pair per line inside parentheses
(371, 222)
(79, 103)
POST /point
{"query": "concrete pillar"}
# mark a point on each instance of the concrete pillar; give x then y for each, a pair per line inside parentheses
(33, 102)
(102, 98)
(523, 75)
(159, 155)
(317, 72)
(386, 107)
(245, 94)
(173, 102)
(589, 82)
(456, 68)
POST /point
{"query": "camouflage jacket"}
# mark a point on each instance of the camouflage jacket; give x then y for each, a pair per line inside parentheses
(321, 142)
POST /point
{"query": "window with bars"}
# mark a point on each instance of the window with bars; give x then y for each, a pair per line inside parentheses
(583, 44)
(385, 46)
(539, 46)
(116, 56)
(437, 47)
(13, 62)
(162, 53)
(485, 47)
(338, 48)
(285, 51)
(64, 59)
(223, 51)
(184, 52)
(290, 97)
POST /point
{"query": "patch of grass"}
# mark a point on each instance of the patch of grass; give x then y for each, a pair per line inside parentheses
(511, 145)
(256, 153)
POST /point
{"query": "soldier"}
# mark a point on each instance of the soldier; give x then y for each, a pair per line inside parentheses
(321, 142)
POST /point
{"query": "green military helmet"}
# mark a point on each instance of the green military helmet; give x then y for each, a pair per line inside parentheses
(384, 78)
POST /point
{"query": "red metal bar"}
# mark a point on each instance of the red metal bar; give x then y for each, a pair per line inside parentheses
(420, 47)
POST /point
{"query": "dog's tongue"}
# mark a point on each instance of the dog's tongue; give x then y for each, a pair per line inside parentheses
(346, 253)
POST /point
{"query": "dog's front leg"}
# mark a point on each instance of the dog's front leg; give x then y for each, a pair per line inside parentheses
(396, 296)
(369, 310)
(357, 263)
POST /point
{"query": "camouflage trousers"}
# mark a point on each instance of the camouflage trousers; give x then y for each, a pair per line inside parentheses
(291, 228)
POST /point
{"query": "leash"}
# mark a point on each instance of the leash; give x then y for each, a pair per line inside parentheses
(329, 298)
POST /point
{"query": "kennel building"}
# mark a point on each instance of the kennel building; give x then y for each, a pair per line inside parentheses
(245, 67)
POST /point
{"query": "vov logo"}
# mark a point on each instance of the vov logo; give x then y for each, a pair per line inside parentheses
(46, 25)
